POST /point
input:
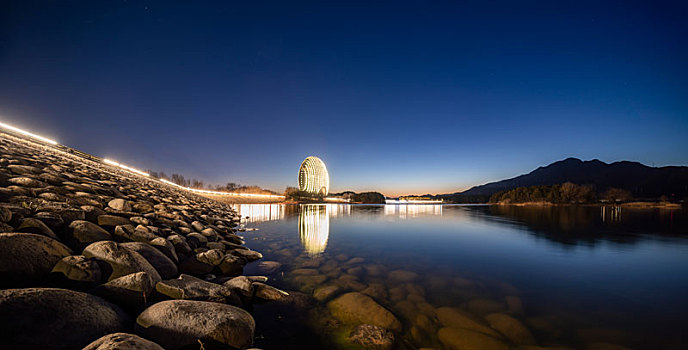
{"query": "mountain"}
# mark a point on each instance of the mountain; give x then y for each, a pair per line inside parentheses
(641, 180)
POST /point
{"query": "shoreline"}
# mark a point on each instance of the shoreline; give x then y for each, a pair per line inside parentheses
(639, 205)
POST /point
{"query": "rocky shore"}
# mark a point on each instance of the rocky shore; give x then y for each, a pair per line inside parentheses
(95, 257)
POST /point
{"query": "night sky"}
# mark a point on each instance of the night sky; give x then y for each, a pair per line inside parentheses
(399, 97)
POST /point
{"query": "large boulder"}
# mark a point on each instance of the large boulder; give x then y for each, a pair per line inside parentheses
(33, 225)
(121, 260)
(359, 308)
(165, 267)
(122, 341)
(178, 323)
(26, 258)
(50, 318)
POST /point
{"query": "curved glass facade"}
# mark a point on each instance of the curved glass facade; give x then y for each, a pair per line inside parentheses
(313, 177)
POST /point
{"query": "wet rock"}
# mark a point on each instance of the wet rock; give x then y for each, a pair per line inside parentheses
(264, 292)
(83, 233)
(304, 272)
(232, 265)
(308, 283)
(240, 285)
(268, 267)
(401, 276)
(131, 291)
(249, 255)
(355, 307)
(121, 260)
(80, 269)
(376, 290)
(191, 288)
(372, 337)
(32, 225)
(50, 318)
(326, 292)
(512, 328)
(455, 318)
(122, 341)
(119, 204)
(464, 339)
(26, 258)
(178, 323)
(166, 268)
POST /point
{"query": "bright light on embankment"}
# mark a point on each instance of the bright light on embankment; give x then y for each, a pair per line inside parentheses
(23, 132)
(112, 162)
(254, 195)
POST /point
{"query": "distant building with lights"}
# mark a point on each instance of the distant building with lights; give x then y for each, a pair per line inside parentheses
(313, 177)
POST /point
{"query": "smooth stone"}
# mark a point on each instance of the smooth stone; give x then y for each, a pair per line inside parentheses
(122, 341)
(268, 267)
(265, 292)
(53, 220)
(79, 268)
(119, 204)
(249, 255)
(512, 328)
(355, 307)
(166, 268)
(376, 290)
(451, 317)
(464, 339)
(27, 258)
(325, 292)
(175, 324)
(191, 288)
(112, 220)
(241, 285)
(165, 247)
(51, 318)
(121, 260)
(131, 291)
(35, 226)
(372, 337)
(304, 272)
(232, 265)
(130, 233)
(86, 232)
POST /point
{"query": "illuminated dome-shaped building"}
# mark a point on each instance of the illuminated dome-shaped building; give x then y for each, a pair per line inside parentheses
(313, 177)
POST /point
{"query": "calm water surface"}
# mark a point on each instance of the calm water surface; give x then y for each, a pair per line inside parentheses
(574, 276)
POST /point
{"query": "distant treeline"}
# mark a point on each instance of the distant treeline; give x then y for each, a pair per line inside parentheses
(564, 193)
(199, 184)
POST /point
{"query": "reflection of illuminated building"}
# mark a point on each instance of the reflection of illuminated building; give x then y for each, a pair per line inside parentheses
(313, 177)
(314, 227)
(251, 213)
(411, 210)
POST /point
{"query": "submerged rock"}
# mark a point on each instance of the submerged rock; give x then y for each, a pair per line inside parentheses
(355, 307)
(511, 328)
(464, 339)
(372, 337)
(122, 341)
(175, 324)
(50, 318)
(451, 317)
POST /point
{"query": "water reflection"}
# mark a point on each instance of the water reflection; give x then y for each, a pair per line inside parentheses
(252, 213)
(412, 210)
(314, 227)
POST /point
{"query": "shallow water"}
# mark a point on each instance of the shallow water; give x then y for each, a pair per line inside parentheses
(574, 276)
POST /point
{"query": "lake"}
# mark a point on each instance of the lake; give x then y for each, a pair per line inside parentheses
(579, 277)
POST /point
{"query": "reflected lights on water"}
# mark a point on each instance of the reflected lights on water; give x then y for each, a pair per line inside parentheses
(412, 210)
(314, 227)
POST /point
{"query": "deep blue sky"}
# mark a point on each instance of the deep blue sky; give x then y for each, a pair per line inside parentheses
(401, 97)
